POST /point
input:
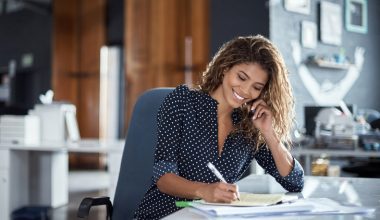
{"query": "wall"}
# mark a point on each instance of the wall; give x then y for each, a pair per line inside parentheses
(115, 22)
(231, 18)
(285, 26)
(27, 32)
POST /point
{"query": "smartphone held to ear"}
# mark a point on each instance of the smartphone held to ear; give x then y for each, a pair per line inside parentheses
(251, 113)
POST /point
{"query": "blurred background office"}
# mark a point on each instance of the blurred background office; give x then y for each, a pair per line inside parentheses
(100, 55)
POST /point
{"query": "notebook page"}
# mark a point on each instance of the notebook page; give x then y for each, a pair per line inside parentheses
(249, 199)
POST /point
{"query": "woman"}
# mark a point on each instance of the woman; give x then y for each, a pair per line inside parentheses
(243, 109)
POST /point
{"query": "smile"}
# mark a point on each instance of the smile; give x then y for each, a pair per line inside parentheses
(238, 96)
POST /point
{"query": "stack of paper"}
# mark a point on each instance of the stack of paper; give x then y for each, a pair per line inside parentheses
(267, 205)
(19, 129)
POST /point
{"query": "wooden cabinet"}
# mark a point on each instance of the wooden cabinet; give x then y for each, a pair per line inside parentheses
(78, 34)
(154, 51)
(155, 33)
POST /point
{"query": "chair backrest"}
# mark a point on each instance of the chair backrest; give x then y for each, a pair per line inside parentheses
(137, 162)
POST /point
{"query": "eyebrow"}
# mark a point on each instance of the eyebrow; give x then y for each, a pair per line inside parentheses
(246, 75)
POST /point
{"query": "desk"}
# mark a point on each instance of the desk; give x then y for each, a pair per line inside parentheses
(360, 191)
(38, 174)
(308, 153)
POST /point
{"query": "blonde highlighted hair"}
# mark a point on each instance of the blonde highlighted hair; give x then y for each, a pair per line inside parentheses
(277, 93)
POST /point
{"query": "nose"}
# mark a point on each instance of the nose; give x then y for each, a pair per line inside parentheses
(246, 90)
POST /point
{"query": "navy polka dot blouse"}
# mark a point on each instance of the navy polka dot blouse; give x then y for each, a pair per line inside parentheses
(188, 140)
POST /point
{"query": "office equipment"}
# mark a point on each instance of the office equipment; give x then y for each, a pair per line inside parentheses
(331, 198)
(333, 129)
(310, 112)
(58, 122)
(38, 174)
(20, 129)
(138, 152)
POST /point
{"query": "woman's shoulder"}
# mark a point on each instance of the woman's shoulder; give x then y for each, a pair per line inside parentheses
(183, 92)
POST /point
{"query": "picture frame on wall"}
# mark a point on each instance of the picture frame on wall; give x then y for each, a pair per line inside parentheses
(330, 23)
(356, 16)
(309, 34)
(299, 6)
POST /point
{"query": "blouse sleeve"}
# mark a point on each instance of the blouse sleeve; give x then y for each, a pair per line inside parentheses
(169, 122)
(293, 182)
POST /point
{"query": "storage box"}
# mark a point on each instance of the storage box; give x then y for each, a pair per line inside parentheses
(20, 129)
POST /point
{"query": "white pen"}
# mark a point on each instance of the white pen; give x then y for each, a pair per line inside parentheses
(219, 175)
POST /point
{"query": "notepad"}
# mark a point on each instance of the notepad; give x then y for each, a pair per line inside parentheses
(249, 199)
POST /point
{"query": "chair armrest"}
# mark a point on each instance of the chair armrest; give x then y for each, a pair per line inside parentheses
(87, 203)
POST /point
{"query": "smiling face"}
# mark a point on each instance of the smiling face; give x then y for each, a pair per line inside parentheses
(242, 83)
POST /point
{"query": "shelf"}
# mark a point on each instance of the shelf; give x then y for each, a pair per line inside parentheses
(333, 65)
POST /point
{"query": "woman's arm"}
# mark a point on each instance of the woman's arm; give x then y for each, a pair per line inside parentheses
(275, 158)
(175, 185)
(282, 157)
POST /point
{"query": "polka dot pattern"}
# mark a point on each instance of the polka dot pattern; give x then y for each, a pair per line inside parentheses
(188, 140)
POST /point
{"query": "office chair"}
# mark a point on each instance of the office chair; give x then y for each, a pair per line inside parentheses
(137, 161)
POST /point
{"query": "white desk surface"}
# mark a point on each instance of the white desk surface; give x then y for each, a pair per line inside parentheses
(360, 191)
(334, 153)
(82, 146)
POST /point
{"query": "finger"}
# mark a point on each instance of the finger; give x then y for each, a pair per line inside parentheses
(228, 196)
(235, 190)
(261, 112)
(223, 196)
(232, 188)
(257, 103)
(258, 111)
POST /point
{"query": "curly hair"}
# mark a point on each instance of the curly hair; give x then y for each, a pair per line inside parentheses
(277, 93)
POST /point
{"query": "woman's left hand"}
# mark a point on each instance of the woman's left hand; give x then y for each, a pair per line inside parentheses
(262, 118)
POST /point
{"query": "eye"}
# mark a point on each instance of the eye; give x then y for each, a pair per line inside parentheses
(242, 78)
(258, 88)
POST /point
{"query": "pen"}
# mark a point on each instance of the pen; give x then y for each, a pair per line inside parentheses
(219, 175)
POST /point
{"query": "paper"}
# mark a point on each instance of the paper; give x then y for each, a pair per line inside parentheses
(309, 206)
(216, 210)
(249, 199)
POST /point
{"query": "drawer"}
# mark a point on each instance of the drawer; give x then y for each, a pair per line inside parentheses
(4, 159)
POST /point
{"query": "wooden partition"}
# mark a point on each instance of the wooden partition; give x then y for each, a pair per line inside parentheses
(154, 47)
(78, 34)
(155, 32)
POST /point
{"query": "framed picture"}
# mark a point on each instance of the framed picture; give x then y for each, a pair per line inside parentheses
(331, 23)
(308, 34)
(356, 16)
(299, 6)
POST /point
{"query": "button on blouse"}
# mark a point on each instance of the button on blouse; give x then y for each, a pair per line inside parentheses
(188, 140)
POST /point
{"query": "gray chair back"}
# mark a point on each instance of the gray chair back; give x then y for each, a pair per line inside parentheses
(137, 161)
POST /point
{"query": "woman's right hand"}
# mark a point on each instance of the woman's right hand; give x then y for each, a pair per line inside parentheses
(219, 192)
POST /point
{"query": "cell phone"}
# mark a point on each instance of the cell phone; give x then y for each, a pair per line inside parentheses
(251, 112)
